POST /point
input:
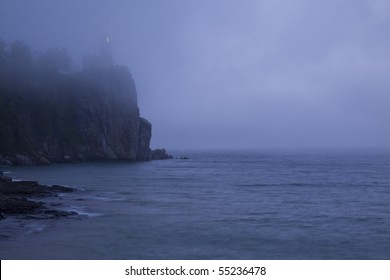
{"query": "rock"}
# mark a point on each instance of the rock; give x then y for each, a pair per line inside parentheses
(4, 178)
(4, 161)
(159, 154)
(44, 161)
(145, 134)
(50, 214)
(15, 195)
(57, 213)
(184, 158)
(68, 159)
(23, 160)
(97, 118)
(58, 188)
(13, 205)
(23, 188)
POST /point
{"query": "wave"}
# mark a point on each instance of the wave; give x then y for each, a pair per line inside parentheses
(33, 228)
(294, 184)
(81, 211)
(101, 198)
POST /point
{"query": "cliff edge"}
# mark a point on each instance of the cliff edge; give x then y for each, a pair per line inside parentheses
(50, 115)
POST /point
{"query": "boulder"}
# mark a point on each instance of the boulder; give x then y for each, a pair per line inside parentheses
(68, 159)
(23, 160)
(44, 161)
(4, 178)
(4, 161)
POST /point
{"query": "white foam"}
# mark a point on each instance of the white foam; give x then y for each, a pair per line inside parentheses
(108, 198)
(82, 211)
(34, 228)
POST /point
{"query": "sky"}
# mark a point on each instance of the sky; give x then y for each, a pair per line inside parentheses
(234, 74)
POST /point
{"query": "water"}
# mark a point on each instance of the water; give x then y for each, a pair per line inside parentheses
(216, 205)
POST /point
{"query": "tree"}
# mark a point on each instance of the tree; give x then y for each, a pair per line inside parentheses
(54, 60)
(3, 53)
(20, 55)
(3, 62)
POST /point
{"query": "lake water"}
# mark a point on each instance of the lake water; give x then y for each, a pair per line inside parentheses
(215, 205)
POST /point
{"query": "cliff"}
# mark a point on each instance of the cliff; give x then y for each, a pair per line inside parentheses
(49, 114)
(92, 115)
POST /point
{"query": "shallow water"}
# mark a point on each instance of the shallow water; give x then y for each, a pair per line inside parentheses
(216, 205)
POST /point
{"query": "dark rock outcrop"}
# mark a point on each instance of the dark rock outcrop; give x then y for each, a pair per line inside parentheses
(17, 205)
(159, 154)
(22, 160)
(15, 199)
(4, 161)
(43, 161)
(4, 178)
(145, 134)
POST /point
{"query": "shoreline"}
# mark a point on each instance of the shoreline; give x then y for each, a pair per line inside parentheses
(23, 199)
(26, 160)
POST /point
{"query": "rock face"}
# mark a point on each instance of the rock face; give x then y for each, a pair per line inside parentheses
(89, 115)
(145, 134)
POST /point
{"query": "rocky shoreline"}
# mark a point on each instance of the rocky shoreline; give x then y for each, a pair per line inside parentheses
(22, 160)
(22, 199)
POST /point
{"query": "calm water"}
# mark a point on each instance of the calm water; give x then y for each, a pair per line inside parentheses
(216, 205)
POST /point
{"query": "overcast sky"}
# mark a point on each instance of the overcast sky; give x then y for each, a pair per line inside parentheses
(234, 73)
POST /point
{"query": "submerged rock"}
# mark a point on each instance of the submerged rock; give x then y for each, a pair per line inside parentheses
(50, 214)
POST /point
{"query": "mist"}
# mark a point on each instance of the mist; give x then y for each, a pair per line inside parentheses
(234, 74)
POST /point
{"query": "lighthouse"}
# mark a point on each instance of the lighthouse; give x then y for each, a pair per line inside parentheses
(106, 52)
(102, 59)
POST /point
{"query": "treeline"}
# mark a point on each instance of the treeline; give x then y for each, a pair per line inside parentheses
(33, 106)
(19, 65)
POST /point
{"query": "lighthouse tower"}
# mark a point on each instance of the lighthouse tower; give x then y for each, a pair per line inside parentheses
(106, 52)
(102, 59)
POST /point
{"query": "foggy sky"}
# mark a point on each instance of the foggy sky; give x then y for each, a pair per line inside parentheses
(234, 74)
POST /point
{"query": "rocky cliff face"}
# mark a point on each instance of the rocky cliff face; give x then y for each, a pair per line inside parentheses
(89, 115)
